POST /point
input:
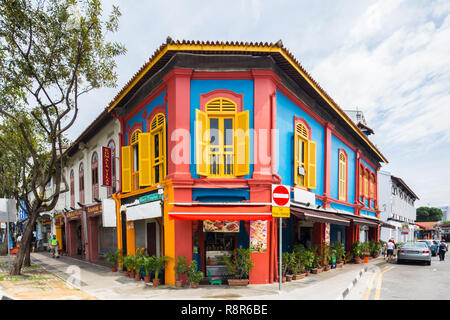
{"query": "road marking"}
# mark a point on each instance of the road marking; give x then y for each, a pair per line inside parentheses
(377, 291)
(369, 288)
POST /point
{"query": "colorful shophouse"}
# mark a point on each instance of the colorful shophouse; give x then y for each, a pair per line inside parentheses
(208, 128)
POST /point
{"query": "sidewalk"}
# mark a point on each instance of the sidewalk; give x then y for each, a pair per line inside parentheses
(102, 283)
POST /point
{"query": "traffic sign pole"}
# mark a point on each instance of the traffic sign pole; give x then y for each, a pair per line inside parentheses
(281, 261)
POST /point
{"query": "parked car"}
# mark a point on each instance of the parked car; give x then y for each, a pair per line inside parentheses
(430, 245)
(414, 251)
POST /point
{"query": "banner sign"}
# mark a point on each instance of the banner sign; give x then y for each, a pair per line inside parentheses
(74, 214)
(107, 167)
(94, 210)
(220, 226)
(258, 236)
(22, 212)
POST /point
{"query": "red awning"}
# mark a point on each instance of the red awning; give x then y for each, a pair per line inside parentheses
(243, 213)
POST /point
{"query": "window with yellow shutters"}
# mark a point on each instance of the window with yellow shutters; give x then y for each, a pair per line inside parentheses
(304, 158)
(134, 143)
(222, 139)
(158, 148)
(342, 176)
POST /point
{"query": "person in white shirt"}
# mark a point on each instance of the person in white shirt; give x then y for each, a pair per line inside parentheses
(390, 250)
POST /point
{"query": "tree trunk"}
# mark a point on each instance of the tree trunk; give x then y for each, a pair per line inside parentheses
(5, 245)
(27, 258)
(26, 243)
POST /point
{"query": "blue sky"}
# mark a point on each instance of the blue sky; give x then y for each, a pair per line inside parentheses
(388, 58)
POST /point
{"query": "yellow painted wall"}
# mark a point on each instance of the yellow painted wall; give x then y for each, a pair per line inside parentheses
(169, 234)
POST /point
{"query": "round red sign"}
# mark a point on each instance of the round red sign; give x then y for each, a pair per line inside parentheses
(280, 196)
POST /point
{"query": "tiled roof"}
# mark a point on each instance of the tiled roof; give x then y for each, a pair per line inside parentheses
(427, 225)
(283, 57)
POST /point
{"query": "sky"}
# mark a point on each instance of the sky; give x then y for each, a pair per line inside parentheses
(387, 58)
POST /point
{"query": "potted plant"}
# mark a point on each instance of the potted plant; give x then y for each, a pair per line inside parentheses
(286, 262)
(158, 264)
(365, 247)
(113, 258)
(239, 265)
(147, 263)
(130, 264)
(375, 248)
(357, 252)
(180, 269)
(339, 252)
(298, 270)
(193, 275)
(317, 262)
(140, 263)
(327, 255)
(307, 260)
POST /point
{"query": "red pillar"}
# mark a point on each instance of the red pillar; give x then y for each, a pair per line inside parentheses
(92, 226)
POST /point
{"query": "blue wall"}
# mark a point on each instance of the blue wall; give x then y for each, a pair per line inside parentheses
(286, 111)
(336, 144)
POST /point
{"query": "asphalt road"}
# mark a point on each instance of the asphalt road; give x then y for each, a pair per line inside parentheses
(411, 281)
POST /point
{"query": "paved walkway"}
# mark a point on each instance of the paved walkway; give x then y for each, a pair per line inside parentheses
(102, 283)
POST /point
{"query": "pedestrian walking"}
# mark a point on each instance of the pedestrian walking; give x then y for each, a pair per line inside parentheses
(384, 250)
(442, 250)
(390, 250)
(54, 246)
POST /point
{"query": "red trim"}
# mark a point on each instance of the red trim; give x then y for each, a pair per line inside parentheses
(237, 98)
(301, 120)
(299, 103)
(145, 102)
(233, 75)
(175, 216)
(137, 125)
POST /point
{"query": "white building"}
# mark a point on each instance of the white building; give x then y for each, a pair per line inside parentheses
(445, 210)
(397, 211)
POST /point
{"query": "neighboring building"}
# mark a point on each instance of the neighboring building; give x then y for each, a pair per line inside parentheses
(198, 160)
(357, 117)
(445, 210)
(80, 214)
(397, 211)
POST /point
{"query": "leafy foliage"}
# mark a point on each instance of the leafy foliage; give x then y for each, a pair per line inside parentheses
(425, 214)
(239, 264)
(193, 275)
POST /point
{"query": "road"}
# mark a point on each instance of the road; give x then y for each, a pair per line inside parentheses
(411, 281)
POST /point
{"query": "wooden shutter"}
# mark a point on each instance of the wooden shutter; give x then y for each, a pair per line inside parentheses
(311, 174)
(241, 144)
(201, 142)
(126, 168)
(145, 160)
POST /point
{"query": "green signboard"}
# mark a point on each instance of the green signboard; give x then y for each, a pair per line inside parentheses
(150, 197)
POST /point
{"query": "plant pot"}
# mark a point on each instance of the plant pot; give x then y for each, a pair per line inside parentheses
(114, 269)
(194, 285)
(289, 277)
(358, 260)
(179, 283)
(137, 277)
(307, 272)
(283, 279)
(366, 259)
(127, 273)
(316, 270)
(132, 274)
(299, 276)
(237, 282)
(147, 279)
(339, 265)
(155, 282)
(327, 267)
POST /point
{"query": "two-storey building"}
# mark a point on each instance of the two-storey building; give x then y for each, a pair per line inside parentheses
(208, 128)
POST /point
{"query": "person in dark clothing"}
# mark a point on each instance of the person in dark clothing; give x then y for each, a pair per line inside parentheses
(442, 250)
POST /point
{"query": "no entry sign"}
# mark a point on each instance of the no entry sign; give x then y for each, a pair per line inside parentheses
(281, 196)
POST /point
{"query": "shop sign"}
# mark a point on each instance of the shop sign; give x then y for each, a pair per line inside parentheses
(74, 214)
(59, 220)
(220, 226)
(281, 212)
(107, 167)
(94, 210)
(258, 236)
(150, 197)
(22, 212)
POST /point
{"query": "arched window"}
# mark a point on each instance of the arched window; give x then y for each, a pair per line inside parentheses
(158, 148)
(304, 157)
(110, 190)
(134, 143)
(372, 187)
(361, 181)
(94, 170)
(222, 139)
(72, 189)
(81, 182)
(366, 184)
(342, 176)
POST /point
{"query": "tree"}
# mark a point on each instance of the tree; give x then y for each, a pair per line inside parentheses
(424, 214)
(51, 53)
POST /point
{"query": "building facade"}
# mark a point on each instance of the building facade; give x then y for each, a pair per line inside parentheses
(397, 211)
(206, 129)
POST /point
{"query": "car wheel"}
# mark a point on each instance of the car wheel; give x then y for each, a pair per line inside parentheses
(429, 263)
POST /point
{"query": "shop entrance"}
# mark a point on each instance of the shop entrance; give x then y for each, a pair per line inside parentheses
(303, 234)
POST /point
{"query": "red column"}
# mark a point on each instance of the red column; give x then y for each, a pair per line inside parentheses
(260, 273)
(92, 226)
(318, 233)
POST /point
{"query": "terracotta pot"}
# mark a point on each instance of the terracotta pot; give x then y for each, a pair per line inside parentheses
(156, 282)
(316, 270)
(179, 283)
(194, 285)
(137, 277)
(289, 277)
(147, 279)
(127, 273)
(132, 274)
(114, 269)
(327, 267)
(299, 276)
(307, 272)
(358, 260)
(237, 282)
(339, 265)
(283, 279)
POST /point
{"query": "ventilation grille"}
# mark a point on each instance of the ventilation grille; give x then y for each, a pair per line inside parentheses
(220, 105)
(135, 136)
(157, 121)
(301, 130)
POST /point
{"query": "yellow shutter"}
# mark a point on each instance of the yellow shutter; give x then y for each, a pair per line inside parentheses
(311, 174)
(202, 142)
(145, 162)
(126, 168)
(296, 147)
(241, 143)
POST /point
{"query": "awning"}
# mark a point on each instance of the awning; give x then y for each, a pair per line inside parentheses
(387, 225)
(244, 213)
(365, 221)
(319, 216)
